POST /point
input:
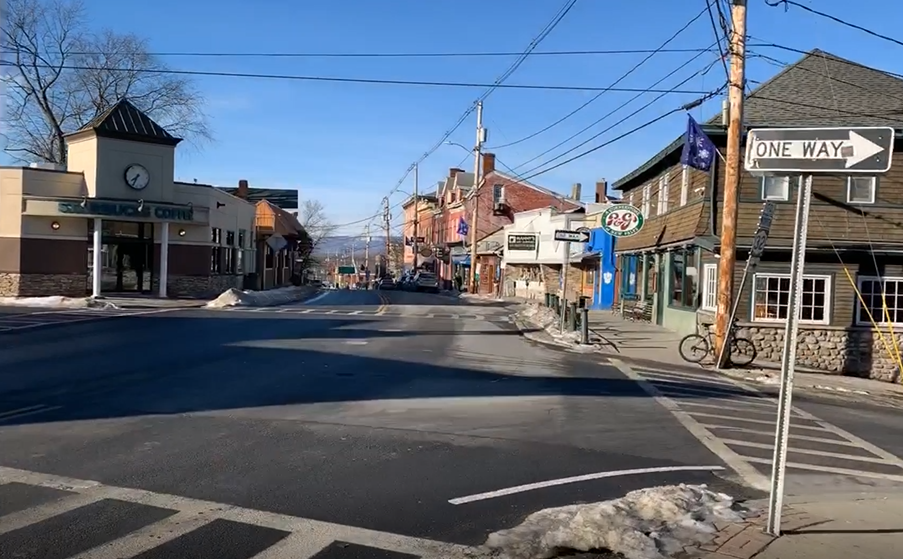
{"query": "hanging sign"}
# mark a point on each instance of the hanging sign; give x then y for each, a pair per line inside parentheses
(622, 220)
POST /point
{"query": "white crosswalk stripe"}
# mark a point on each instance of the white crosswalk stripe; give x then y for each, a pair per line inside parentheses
(27, 320)
(297, 538)
(390, 312)
(743, 420)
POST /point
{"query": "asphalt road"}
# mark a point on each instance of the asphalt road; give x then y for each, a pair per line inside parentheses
(356, 422)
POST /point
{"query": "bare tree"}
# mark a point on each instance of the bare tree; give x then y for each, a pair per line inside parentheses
(59, 75)
(312, 216)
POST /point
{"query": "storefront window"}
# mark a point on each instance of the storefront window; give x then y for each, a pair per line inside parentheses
(216, 251)
(229, 253)
(268, 258)
(684, 278)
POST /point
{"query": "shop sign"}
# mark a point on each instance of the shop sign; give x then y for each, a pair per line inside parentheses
(122, 209)
(522, 242)
(622, 220)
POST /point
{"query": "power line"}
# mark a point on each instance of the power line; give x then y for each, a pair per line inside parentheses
(610, 88)
(370, 81)
(398, 54)
(687, 107)
(832, 58)
(835, 19)
(618, 108)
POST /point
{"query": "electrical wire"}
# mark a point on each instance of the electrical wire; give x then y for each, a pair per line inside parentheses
(833, 58)
(610, 88)
(835, 19)
(708, 4)
(399, 54)
(336, 79)
(618, 108)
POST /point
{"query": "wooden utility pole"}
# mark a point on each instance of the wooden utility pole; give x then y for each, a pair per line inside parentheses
(386, 225)
(477, 148)
(732, 168)
(414, 244)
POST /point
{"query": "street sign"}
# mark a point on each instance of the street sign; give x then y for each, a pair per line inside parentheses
(522, 242)
(572, 236)
(622, 220)
(820, 150)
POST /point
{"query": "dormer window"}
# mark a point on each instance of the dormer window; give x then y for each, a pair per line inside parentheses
(498, 194)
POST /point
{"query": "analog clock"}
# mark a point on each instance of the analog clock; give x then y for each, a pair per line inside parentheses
(137, 177)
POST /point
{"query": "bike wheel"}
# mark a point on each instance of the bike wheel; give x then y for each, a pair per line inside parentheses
(693, 348)
(743, 352)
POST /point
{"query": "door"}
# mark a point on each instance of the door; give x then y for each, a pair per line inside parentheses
(661, 288)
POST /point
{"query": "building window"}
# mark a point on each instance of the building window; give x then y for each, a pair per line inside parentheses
(861, 190)
(684, 278)
(876, 292)
(216, 251)
(498, 192)
(684, 184)
(776, 188)
(647, 191)
(771, 298)
(229, 264)
(709, 287)
(268, 257)
(663, 191)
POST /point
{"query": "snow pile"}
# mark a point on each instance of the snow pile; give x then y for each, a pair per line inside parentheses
(238, 298)
(651, 523)
(547, 319)
(55, 302)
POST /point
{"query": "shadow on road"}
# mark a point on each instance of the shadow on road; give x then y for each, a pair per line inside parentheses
(125, 367)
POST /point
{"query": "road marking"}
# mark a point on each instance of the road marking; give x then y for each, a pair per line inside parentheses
(746, 471)
(356, 312)
(577, 479)
(307, 311)
(317, 298)
(830, 470)
(87, 492)
(839, 455)
(88, 318)
(333, 311)
(356, 342)
(26, 412)
(150, 536)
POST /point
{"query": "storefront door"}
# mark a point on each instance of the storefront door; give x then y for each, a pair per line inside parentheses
(127, 262)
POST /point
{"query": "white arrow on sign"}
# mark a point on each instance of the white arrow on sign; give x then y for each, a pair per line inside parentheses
(572, 236)
(854, 150)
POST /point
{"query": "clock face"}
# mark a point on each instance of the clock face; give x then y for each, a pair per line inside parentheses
(137, 177)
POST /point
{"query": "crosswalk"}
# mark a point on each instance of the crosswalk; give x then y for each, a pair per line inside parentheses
(46, 516)
(741, 422)
(390, 312)
(30, 319)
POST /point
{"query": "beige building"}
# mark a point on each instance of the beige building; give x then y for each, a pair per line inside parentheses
(116, 221)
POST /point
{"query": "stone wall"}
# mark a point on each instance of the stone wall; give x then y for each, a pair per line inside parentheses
(201, 286)
(552, 280)
(849, 351)
(43, 285)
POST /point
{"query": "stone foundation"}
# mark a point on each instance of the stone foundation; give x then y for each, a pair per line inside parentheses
(201, 286)
(43, 285)
(843, 351)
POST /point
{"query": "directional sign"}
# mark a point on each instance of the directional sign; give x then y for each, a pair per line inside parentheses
(820, 150)
(572, 236)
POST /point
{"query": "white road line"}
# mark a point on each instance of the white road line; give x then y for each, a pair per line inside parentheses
(302, 545)
(829, 470)
(88, 318)
(307, 311)
(655, 376)
(577, 479)
(91, 491)
(770, 433)
(317, 298)
(750, 475)
(356, 312)
(150, 536)
(769, 413)
(757, 421)
(18, 414)
(333, 311)
(871, 459)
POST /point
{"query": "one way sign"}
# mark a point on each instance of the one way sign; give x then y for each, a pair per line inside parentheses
(572, 236)
(820, 150)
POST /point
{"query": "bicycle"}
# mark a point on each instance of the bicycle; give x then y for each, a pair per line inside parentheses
(694, 348)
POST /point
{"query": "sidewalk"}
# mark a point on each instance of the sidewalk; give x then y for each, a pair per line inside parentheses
(650, 345)
(849, 527)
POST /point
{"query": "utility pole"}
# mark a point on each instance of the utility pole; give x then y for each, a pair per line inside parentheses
(565, 265)
(386, 224)
(367, 248)
(730, 210)
(477, 148)
(416, 212)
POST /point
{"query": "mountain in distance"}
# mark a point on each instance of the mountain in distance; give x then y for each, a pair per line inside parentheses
(343, 245)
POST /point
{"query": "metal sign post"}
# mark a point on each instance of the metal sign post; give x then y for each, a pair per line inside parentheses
(788, 360)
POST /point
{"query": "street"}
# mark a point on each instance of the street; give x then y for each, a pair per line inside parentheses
(379, 420)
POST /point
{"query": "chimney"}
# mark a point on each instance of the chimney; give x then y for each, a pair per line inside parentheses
(454, 171)
(488, 163)
(575, 191)
(242, 189)
(601, 191)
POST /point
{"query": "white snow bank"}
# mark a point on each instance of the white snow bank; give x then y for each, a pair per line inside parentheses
(547, 319)
(238, 298)
(54, 302)
(651, 523)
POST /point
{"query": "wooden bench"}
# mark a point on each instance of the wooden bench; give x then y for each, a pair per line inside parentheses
(638, 309)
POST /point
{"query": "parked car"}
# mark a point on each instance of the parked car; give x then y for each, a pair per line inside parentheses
(386, 283)
(427, 281)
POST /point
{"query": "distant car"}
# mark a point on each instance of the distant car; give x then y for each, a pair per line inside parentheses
(386, 283)
(427, 281)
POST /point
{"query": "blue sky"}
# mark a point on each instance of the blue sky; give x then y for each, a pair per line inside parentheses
(347, 145)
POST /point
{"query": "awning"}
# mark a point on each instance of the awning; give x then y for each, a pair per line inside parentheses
(587, 256)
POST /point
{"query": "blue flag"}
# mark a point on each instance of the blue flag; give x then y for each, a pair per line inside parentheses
(462, 227)
(699, 151)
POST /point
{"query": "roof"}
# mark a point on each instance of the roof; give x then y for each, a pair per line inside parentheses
(286, 220)
(820, 89)
(538, 188)
(125, 121)
(428, 197)
(280, 197)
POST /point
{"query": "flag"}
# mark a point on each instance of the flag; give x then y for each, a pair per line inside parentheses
(699, 151)
(462, 227)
